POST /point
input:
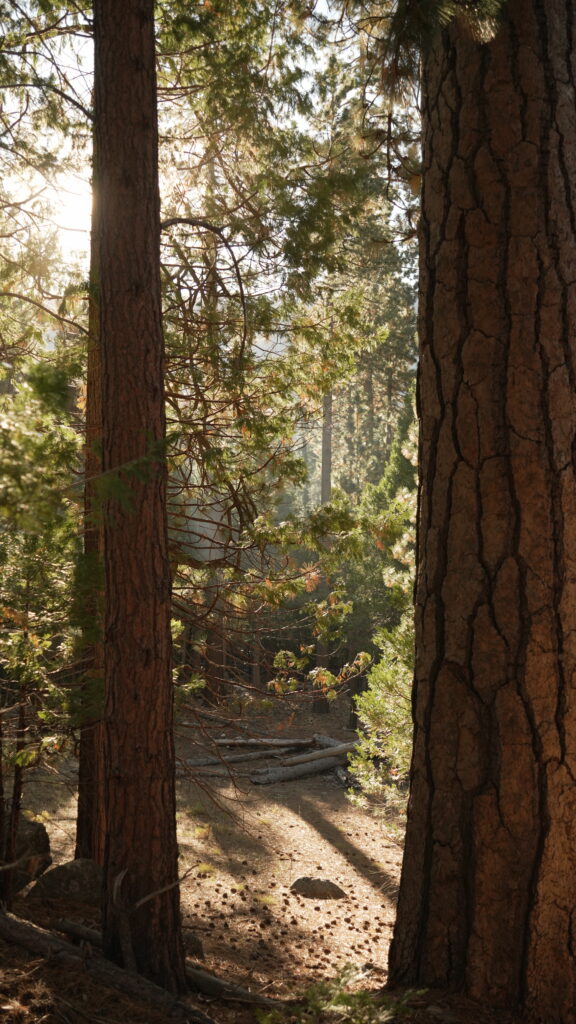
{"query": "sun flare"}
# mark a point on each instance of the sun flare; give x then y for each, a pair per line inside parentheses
(72, 211)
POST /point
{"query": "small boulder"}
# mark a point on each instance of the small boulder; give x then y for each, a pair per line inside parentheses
(32, 849)
(317, 889)
(79, 880)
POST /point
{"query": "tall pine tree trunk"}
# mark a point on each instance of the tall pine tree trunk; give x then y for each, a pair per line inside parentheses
(326, 469)
(321, 704)
(488, 893)
(90, 821)
(141, 924)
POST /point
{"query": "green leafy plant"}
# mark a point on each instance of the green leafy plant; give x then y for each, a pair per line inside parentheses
(381, 762)
(332, 1001)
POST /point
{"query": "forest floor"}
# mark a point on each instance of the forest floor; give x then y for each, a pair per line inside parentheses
(241, 848)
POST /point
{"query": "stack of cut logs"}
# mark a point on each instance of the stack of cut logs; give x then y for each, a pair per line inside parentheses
(316, 754)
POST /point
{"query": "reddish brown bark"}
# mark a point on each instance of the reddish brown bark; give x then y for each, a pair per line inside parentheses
(141, 925)
(90, 821)
(488, 892)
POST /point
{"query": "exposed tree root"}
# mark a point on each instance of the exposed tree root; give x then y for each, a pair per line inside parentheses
(199, 979)
(39, 940)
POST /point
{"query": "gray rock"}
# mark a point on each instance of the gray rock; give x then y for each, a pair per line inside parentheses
(77, 880)
(317, 889)
(33, 848)
(193, 944)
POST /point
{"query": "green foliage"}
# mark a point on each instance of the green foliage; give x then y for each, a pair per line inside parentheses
(37, 458)
(364, 563)
(331, 1002)
(24, 758)
(51, 384)
(396, 34)
(385, 713)
(38, 547)
(400, 472)
(284, 283)
(415, 21)
(293, 670)
(385, 708)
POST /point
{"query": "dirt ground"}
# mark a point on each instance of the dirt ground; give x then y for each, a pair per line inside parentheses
(241, 847)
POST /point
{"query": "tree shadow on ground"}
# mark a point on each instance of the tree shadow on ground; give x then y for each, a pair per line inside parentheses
(371, 870)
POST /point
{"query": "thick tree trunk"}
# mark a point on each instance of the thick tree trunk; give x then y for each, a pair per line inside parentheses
(90, 820)
(489, 879)
(141, 924)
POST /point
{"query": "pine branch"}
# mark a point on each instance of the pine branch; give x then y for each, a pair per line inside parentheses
(49, 87)
(45, 309)
(198, 222)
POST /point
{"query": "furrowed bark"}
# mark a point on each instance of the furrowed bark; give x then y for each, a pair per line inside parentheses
(90, 818)
(141, 921)
(489, 879)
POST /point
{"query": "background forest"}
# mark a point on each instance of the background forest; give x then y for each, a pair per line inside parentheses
(280, 445)
(288, 293)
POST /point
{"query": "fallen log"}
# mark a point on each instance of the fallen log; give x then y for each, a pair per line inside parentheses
(212, 716)
(79, 931)
(200, 980)
(39, 940)
(263, 741)
(296, 771)
(211, 985)
(316, 755)
(218, 772)
(198, 762)
(253, 755)
(320, 740)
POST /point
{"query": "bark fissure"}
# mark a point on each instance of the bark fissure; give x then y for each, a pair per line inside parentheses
(487, 887)
(140, 857)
